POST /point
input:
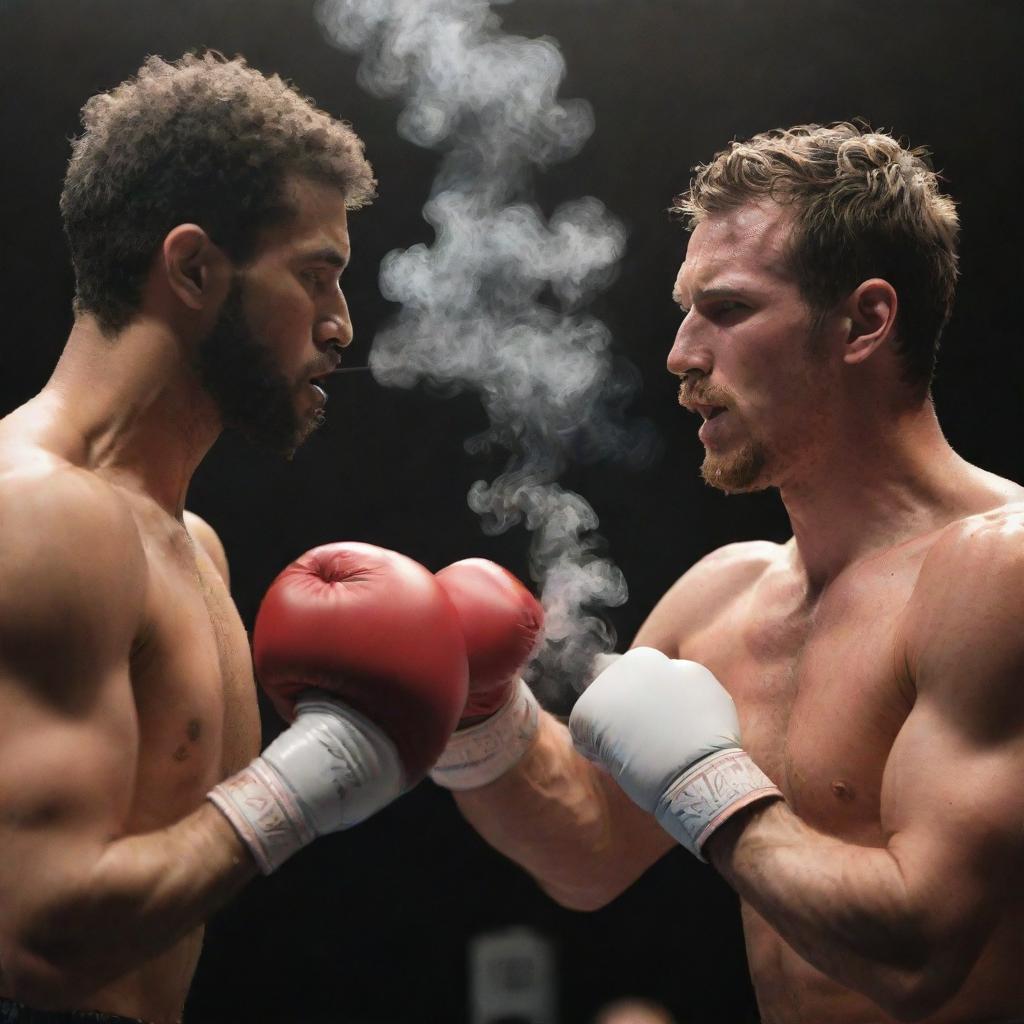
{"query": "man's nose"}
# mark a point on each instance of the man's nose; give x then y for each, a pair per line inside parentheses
(689, 353)
(335, 325)
(333, 331)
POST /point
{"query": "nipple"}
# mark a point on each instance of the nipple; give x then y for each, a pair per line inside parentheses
(842, 790)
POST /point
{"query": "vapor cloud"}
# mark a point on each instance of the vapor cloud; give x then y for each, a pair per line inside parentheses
(497, 304)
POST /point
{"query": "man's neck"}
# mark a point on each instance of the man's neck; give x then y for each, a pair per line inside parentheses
(135, 407)
(879, 486)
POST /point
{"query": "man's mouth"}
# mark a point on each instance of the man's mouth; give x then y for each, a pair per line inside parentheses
(324, 368)
(694, 401)
(708, 412)
(316, 383)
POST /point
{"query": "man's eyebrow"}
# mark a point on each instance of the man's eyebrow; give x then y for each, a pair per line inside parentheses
(721, 292)
(328, 254)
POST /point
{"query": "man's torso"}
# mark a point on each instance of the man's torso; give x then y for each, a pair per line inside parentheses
(194, 696)
(822, 688)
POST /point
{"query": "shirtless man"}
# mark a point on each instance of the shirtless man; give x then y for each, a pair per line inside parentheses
(206, 210)
(835, 723)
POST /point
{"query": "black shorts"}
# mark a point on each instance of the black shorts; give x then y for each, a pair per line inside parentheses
(14, 1013)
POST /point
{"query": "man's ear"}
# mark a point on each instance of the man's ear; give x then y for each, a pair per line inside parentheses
(871, 309)
(195, 268)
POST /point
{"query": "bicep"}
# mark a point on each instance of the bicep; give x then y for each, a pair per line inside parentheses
(69, 598)
(66, 786)
(953, 812)
(952, 803)
(66, 776)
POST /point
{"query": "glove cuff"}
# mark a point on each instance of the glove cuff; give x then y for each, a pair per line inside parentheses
(710, 792)
(484, 752)
(332, 769)
(265, 814)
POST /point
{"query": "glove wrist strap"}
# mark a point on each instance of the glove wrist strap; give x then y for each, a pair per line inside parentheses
(710, 792)
(484, 752)
(332, 769)
(265, 814)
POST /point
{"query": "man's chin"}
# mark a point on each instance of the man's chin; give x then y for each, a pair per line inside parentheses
(280, 435)
(741, 472)
(306, 431)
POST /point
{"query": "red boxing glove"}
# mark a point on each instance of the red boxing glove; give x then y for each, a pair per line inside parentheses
(376, 630)
(502, 623)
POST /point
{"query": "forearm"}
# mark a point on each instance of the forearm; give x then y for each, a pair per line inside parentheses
(845, 909)
(138, 897)
(565, 822)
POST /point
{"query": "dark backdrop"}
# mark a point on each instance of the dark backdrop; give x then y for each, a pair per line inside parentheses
(371, 926)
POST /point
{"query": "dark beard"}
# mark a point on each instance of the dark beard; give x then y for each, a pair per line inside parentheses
(252, 395)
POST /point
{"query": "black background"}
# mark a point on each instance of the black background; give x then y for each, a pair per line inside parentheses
(372, 925)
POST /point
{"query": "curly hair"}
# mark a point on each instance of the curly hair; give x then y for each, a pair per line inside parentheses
(202, 140)
(865, 206)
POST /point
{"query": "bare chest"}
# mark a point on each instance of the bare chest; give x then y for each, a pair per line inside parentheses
(193, 684)
(821, 692)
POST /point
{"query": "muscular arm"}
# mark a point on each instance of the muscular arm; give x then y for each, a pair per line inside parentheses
(562, 818)
(81, 902)
(565, 822)
(905, 923)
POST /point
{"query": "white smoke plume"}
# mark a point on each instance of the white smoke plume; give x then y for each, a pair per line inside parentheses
(497, 303)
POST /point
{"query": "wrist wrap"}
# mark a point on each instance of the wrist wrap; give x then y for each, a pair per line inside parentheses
(265, 814)
(481, 753)
(710, 792)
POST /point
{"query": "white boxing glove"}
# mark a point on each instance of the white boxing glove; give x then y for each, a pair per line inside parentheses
(668, 733)
(331, 770)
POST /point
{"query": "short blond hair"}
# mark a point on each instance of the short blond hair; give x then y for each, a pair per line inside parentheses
(866, 206)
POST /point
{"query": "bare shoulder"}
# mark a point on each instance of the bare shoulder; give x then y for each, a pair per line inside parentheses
(964, 613)
(206, 537)
(51, 504)
(705, 590)
(72, 567)
(988, 547)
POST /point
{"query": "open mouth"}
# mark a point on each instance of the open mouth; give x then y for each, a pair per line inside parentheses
(316, 383)
(709, 412)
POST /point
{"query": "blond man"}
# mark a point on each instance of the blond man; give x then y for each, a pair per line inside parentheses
(834, 723)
